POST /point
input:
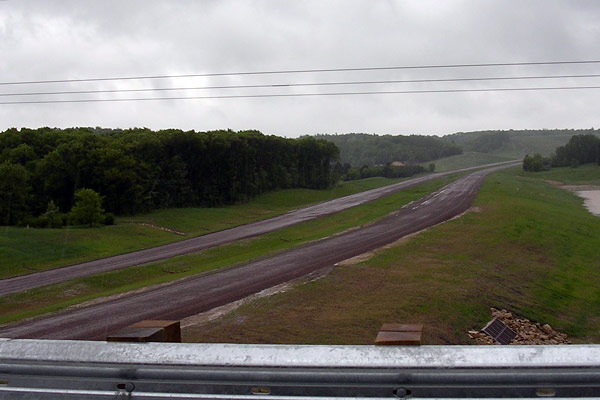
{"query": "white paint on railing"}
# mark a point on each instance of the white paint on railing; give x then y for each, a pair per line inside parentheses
(337, 356)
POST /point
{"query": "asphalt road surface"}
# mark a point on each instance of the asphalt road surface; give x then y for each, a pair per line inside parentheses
(57, 275)
(201, 293)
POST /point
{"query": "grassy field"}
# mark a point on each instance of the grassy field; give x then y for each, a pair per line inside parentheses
(25, 250)
(529, 247)
(546, 145)
(588, 174)
(467, 160)
(56, 297)
(515, 149)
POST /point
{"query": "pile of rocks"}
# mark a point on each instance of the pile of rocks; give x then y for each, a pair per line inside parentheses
(527, 331)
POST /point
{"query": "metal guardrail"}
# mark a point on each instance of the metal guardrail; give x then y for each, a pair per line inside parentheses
(45, 369)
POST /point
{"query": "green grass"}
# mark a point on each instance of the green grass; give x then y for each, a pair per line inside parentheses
(25, 250)
(588, 174)
(530, 248)
(57, 297)
(466, 160)
(199, 221)
(515, 149)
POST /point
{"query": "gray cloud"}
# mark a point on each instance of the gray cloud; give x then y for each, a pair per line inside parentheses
(74, 39)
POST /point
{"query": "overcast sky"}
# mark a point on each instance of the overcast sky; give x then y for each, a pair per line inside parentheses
(54, 40)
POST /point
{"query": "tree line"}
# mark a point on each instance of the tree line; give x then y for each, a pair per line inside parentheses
(139, 170)
(486, 141)
(349, 173)
(358, 149)
(581, 149)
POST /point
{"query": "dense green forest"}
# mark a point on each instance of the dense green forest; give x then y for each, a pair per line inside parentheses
(359, 149)
(483, 143)
(138, 170)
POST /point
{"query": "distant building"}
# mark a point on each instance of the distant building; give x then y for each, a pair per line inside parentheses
(397, 164)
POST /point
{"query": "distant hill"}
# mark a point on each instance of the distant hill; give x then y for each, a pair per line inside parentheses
(515, 143)
(358, 149)
(461, 149)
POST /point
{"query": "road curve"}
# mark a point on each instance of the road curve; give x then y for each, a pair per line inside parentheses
(201, 293)
(57, 275)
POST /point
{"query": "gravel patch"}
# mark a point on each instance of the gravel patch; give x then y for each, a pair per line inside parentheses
(527, 332)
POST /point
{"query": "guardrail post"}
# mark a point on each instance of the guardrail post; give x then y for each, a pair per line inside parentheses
(148, 331)
(400, 334)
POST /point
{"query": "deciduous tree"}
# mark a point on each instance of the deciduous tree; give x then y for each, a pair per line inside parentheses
(88, 207)
(14, 193)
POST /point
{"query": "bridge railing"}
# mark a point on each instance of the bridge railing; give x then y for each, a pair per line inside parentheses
(46, 369)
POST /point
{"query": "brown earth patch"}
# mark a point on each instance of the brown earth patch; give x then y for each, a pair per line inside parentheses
(161, 228)
(199, 320)
(577, 188)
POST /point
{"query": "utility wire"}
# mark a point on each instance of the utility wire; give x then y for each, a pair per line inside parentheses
(303, 71)
(302, 95)
(301, 85)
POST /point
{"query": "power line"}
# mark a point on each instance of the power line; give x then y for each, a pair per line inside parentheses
(303, 71)
(280, 85)
(302, 95)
